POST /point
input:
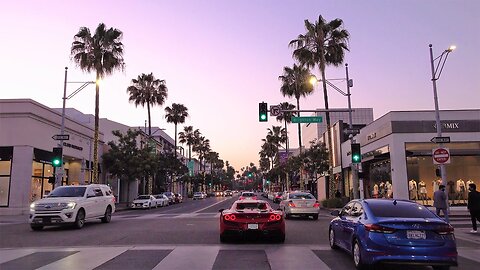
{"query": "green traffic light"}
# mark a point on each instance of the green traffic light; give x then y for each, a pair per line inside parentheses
(356, 158)
(263, 117)
(56, 162)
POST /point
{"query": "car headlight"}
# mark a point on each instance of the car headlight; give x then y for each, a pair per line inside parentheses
(71, 205)
(32, 206)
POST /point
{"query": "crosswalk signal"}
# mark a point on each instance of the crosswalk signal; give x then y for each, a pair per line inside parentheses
(356, 156)
(262, 112)
(57, 157)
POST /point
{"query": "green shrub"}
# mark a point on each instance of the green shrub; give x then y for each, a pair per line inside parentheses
(335, 202)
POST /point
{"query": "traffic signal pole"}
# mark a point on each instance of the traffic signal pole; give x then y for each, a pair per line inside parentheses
(61, 169)
(354, 168)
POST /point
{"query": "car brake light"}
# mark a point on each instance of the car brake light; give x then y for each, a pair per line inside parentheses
(316, 205)
(254, 198)
(378, 228)
(230, 217)
(274, 217)
(291, 204)
(447, 229)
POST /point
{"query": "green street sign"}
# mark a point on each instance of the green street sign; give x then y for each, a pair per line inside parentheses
(306, 119)
(191, 166)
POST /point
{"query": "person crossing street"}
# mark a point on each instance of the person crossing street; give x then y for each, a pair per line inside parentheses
(474, 206)
(440, 202)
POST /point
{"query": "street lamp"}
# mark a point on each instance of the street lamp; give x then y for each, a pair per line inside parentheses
(439, 68)
(59, 175)
(314, 80)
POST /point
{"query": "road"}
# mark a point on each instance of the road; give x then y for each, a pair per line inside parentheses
(177, 237)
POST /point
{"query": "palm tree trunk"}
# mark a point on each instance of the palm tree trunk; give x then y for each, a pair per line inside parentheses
(95, 136)
(331, 184)
(300, 142)
(175, 140)
(288, 153)
(149, 121)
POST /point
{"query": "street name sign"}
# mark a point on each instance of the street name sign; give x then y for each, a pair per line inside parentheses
(60, 137)
(306, 119)
(353, 131)
(275, 110)
(441, 156)
(440, 139)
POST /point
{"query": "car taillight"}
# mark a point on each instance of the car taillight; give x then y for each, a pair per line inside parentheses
(291, 204)
(274, 217)
(114, 200)
(447, 229)
(378, 228)
(230, 217)
(241, 198)
(316, 205)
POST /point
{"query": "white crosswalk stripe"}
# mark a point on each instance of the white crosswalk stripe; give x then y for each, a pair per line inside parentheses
(169, 216)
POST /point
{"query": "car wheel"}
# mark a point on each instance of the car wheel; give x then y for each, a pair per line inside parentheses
(108, 215)
(357, 257)
(288, 216)
(315, 216)
(223, 238)
(149, 206)
(280, 237)
(331, 239)
(36, 227)
(80, 219)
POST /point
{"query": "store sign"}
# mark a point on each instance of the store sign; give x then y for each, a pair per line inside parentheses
(73, 146)
(454, 125)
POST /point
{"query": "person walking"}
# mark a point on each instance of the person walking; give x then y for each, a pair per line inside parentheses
(474, 206)
(440, 202)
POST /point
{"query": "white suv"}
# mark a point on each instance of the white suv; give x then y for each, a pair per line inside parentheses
(73, 205)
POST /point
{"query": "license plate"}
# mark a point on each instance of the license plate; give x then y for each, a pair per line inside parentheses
(416, 235)
(46, 220)
(253, 226)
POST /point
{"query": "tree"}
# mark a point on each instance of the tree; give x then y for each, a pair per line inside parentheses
(315, 159)
(295, 83)
(188, 136)
(146, 89)
(324, 43)
(102, 53)
(286, 117)
(176, 115)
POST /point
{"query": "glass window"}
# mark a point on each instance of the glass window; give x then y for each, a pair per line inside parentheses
(98, 192)
(36, 189)
(301, 196)
(143, 197)
(400, 210)
(5, 167)
(261, 206)
(346, 209)
(356, 210)
(68, 191)
(4, 189)
(37, 169)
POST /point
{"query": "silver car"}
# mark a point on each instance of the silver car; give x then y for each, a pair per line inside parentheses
(301, 204)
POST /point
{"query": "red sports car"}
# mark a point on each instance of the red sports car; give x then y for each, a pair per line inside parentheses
(251, 217)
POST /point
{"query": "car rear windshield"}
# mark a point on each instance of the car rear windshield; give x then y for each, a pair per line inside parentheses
(248, 195)
(301, 196)
(401, 210)
(143, 197)
(261, 206)
(68, 192)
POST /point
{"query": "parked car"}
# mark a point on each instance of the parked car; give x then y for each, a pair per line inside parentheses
(199, 195)
(227, 193)
(170, 196)
(178, 198)
(247, 195)
(73, 205)
(161, 200)
(254, 217)
(144, 202)
(393, 231)
(300, 204)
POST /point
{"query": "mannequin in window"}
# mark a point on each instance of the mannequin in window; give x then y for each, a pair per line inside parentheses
(461, 189)
(436, 184)
(375, 191)
(412, 189)
(451, 191)
(382, 189)
(422, 188)
(388, 186)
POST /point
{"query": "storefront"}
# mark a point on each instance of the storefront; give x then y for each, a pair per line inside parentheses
(397, 155)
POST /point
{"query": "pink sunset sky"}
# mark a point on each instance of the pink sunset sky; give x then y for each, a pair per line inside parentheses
(221, 58)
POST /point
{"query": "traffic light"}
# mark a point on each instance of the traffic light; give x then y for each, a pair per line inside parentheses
(249, 175)
(356, 156)
(262, 112)
(57, 157)
(51, 180)
(438, 173)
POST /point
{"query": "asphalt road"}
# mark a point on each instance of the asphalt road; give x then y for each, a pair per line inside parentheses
(188, 223)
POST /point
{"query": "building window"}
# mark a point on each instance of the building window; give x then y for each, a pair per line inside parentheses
(5, 173)
(40, 186)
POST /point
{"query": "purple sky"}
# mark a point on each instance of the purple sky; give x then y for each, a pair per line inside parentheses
(220, 58)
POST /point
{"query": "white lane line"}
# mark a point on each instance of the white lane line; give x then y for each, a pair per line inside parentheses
(189, 257)
(224, 199)
(8, 255)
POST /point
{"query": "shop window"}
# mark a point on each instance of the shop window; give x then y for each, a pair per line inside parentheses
(36, 189)
(4, 181)
(380, 183)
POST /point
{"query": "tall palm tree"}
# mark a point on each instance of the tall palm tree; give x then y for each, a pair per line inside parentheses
(188, 136)
(295, 83)
(102, 53)
(146, 89)
(286, 117)
(176, 115)
(324, 43)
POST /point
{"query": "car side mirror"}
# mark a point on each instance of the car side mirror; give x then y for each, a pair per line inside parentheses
(335, 213)
(221, 210)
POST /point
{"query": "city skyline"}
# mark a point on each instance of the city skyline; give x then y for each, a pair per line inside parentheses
(220, 59)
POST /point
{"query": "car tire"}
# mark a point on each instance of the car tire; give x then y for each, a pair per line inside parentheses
(79, 219)
(280, 238)
(223, 238)
(357, 257)
(315, 217)
(331, 239)
(288, 216)
(107, 217)
(36, 227)
(149, 206)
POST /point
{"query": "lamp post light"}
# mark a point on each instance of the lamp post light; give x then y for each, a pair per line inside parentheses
(59, 175)
(439, 68)
(354, 167)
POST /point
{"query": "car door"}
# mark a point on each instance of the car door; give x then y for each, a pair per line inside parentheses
(90, 203)
(341, 232)
(100, 201)
(352, 221)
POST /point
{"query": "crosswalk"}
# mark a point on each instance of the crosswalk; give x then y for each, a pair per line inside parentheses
(191, 257)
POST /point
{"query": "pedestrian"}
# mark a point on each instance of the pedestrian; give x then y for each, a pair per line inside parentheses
(474, 206)
(440, 202)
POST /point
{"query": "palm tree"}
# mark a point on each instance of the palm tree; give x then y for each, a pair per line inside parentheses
(287, 118)
(146, 89)
(295, 83)
(102, 53)
(176, 115)
(324, 43)
(188, 136)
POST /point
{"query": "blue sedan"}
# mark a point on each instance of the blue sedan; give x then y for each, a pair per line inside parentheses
(393, 231)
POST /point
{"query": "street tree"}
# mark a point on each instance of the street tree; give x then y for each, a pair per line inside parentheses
(101, 53)
(188, 136)
(176, 115)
